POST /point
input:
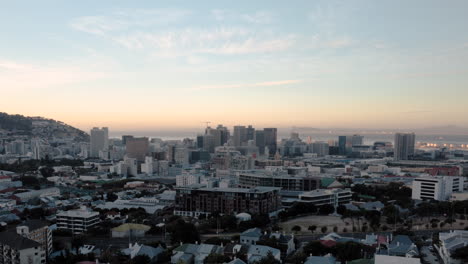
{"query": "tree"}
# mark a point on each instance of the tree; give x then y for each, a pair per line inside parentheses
(140, 259)
(324, 229)
(350, 251)
(77, 242)
(214, 258)
(461, 254)
(296, 228)
(111, 197)
(268, 259)
(312, 228)
(326, 209)
(315, 248)
(183, 232)
(46, 171)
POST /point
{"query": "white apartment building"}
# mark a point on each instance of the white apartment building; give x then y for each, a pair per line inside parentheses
(77, 221)
(188, 179)
(150, 166)
(449, 242)
(438, 188)
(17, 249)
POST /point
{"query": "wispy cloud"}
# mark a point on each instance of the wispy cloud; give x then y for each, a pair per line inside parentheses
(246, 85)
(259, 17)
(16, 75)
(127, 19)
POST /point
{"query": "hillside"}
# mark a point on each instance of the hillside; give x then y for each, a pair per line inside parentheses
(40, 127)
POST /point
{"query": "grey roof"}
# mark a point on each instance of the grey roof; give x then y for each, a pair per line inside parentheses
(372, 206)
(35, 224)
(253, 232)
(151, 252)
(320, 260)
(236, 261)
(16, 241)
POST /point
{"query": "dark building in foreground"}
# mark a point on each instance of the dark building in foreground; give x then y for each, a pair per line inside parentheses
(198, 200)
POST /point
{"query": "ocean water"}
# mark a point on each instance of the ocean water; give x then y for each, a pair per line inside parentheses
(369, 138)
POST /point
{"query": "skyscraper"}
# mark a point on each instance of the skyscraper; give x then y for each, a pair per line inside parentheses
(271, 139)
(250, 133)
(240, 135)
(404, 146)
(99, 141)
(137, 148)
(345, 143)
(260, 141)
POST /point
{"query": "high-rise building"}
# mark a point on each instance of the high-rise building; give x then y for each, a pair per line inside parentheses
(320, 148)
(346, 143)
(240, 135)
(260, 141)
(125, 138)
(209, 143)
(137, 148)
(271, 139)
(99, 141)
(220, 134)
(404, 146)
(250, 133)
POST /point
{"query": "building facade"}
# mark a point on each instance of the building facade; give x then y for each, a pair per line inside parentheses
(77, 221)
(196, 200)
(404, 146)
(438, 188)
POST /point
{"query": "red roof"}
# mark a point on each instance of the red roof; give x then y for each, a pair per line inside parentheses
(4, 177)
(7, 190)
(328, 243)
(382, 239)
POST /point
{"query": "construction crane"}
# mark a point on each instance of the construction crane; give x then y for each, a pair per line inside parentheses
(207, 123)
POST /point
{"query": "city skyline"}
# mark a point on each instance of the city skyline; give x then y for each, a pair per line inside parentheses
(150, 66)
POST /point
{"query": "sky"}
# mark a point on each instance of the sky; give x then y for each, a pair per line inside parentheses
(149, 65)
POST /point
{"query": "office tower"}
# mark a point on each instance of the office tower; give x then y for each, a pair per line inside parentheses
(209, 143)
(346, 143)
(125, 138)
(342, 145)
(320, 148)
(223, 134)
(99, 141)
(260, 141)
(200, 141)
(357, 140)
(270, 139)
(250, 133)
(240, 135)
(404, 146)
(137, 148)
(181, 156)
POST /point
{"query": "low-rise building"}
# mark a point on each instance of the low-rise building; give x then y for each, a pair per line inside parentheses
(321, 197)
(438, 188)
(450, 241)
(130, 230)
(77, 221)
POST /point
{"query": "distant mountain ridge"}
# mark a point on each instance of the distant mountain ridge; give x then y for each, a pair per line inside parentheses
(40, 127)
